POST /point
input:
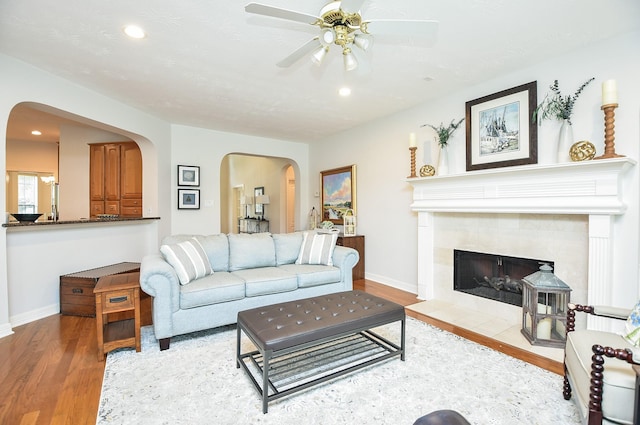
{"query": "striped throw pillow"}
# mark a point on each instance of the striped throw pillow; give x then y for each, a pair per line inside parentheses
(188, 259)
(317, 248)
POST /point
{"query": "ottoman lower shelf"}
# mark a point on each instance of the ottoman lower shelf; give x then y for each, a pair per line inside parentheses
(297, 370)
(306, 342)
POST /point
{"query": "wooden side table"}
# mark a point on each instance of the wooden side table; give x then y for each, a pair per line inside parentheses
(114, 294)
(357, 243)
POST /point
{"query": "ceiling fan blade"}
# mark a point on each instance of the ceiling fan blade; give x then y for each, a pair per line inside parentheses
(425, 29)
(351, 6)
(276, 12)
(305, 50)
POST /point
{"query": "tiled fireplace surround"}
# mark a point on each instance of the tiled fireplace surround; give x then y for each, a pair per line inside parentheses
(560, 212)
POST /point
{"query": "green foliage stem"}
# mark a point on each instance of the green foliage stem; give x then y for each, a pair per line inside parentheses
(558, 106)
(444, 133)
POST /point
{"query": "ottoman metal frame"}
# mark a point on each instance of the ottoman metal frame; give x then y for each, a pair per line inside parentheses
(306, 342)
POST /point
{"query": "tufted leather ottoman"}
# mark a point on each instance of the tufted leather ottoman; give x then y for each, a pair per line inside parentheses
(314, 335)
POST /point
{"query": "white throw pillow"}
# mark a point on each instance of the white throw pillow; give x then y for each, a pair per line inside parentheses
(188, 259)
(632, 326)
(317, 249)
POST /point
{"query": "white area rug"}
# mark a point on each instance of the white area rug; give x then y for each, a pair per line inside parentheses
(196, 382)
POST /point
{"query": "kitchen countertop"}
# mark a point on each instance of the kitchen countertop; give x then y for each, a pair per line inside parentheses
(49, 223)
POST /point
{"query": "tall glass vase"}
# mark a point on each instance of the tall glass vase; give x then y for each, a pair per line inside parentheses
(565, 140)
(443, 161)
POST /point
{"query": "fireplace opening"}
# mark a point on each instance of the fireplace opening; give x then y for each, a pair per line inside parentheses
(497, 277)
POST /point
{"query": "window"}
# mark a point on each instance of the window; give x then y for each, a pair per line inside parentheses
(27, 193)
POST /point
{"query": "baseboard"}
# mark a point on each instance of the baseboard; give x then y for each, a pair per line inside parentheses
(403, 286)
(5, 330)
(33, 315)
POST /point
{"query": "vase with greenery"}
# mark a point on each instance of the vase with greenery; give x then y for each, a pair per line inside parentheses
(444, 134)
(560, 107)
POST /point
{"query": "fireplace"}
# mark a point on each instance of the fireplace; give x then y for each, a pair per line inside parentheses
(562, 211)
(496, 277)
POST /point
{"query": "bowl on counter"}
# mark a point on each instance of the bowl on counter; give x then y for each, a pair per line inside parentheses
(26, 218)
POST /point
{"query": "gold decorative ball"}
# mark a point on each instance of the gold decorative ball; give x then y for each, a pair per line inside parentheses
(427, 171)
(582, 151)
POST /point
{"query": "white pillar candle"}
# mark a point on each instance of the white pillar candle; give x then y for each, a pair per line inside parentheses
(544, 328)
(544, 309)
(412, 140)
(609, 92)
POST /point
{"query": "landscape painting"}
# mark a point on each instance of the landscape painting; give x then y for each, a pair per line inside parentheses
(338, 193)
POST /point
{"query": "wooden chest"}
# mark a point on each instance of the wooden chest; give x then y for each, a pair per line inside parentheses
(76, 289)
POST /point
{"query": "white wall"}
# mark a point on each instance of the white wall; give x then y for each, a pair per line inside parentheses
(26, 155)
(256, 171)
(207, 149)
(380, 150)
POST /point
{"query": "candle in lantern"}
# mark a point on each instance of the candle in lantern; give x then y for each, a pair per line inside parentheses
(412, 140)
(609, 92)
(544, 328)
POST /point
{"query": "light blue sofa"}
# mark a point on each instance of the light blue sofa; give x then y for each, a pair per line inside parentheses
(249, 270)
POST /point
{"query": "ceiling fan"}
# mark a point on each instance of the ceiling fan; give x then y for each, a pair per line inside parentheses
(341, 24)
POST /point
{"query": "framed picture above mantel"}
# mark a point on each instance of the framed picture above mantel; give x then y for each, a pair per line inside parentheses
(500, 128)
(338, 193)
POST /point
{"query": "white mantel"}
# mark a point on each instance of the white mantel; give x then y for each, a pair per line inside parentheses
(594, 188)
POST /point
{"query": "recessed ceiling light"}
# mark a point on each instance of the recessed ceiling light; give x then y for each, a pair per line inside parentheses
(344, 91)
(134, 31)
(36, 133)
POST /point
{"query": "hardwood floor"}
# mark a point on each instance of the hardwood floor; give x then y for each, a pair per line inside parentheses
(50, 374)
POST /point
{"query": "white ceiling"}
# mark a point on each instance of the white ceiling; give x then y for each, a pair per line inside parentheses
(207, 63)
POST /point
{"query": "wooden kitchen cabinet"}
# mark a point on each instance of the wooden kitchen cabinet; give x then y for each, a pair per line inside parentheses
(115, 175)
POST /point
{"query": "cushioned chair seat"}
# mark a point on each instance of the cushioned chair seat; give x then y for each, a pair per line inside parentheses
(313, 274)
(216, 288)
(619, 377)
(267, 280)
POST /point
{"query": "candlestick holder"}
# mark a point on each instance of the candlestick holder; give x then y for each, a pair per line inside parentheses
(609, 132)
(413, 162)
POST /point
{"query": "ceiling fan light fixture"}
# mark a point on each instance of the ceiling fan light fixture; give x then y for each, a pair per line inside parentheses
(350, 62)
(319, 54)
(327, 37)
(363, 41)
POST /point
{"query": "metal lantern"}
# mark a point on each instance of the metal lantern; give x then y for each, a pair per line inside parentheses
(349, 223)
(544, 308)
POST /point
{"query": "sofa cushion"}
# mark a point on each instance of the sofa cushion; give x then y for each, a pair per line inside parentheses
(251, 251)
(267, 280)
(287, 247)
(216, 288)
(632, 327)
(312, 274)
(217, 249)
(317, 248)
(188, 259)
